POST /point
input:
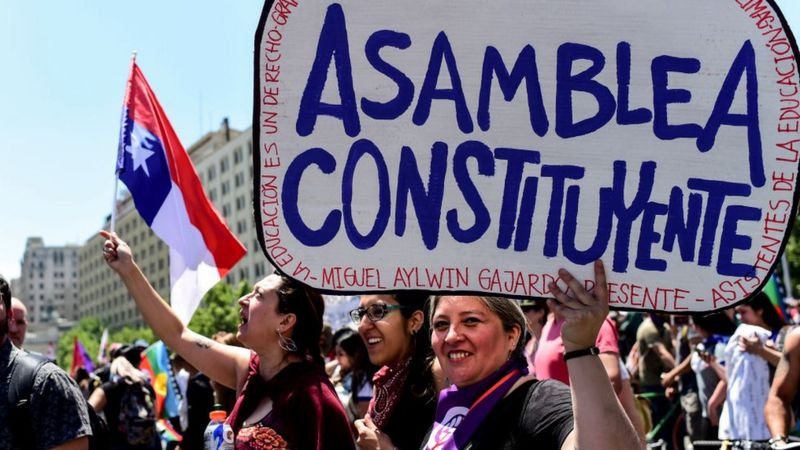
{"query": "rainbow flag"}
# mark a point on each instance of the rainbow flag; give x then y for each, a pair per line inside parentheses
(167, 432)
(773, 291)
(155, 362)
(80, 357)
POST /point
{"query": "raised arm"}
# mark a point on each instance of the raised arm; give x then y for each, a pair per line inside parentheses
(784, 387)
(222, 363)
(594, 403)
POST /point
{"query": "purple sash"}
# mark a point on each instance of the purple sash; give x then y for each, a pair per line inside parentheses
(460, 412)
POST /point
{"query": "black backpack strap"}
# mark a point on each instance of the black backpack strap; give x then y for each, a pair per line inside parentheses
(23, 373)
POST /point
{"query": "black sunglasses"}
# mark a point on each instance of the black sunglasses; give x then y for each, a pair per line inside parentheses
(374, 312)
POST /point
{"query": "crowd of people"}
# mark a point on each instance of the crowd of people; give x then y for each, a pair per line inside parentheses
(414, 371)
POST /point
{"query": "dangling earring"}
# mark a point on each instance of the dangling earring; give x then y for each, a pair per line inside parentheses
(286, 343)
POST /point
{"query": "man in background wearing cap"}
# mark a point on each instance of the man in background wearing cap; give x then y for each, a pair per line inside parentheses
(56, 417)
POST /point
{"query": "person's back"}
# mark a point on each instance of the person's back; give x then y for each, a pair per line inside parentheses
(748, 387)
(56, 412)
(129, 412)
(48, 410)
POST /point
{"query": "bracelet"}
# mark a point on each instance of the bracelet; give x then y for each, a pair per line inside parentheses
(584, 352)
(776, 439)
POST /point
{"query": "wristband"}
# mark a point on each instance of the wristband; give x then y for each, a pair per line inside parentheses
(584, 352)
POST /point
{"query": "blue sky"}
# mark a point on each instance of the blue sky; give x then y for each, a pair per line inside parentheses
(62, 77)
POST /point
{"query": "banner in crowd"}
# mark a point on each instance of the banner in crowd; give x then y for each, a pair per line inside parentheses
(155, 362)
(80, 357)
(469, 147)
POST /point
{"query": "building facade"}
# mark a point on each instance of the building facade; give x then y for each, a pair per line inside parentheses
(223, 161)
(48, 282)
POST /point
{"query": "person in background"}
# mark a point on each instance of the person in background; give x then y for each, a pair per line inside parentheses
(127, 401)
(355, 373)
(704, 362)
(18, 323)
(781, 410)
(493, 403)
(285, 398)
(326, 343)
(197, 402)
(655, 355)
(748, 356)
(536, 316)
(395, 331)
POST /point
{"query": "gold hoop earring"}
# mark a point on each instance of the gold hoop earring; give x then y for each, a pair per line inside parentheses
(286, 343)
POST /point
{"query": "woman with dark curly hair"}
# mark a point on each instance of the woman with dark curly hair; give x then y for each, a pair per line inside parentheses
(285, 398)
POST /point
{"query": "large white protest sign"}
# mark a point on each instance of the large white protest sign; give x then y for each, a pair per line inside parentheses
(473, 146)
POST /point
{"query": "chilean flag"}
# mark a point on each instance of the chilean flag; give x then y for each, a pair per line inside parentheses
(168, 195)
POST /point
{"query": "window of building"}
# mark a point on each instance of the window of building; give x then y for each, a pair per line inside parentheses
(226, 210)
(224, 165)
(226, 187)
(212, 195)
(212, 172)
(240, 203)
(237, 155)
(238, 180)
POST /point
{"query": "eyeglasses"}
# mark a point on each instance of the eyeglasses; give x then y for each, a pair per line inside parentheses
(374, 312)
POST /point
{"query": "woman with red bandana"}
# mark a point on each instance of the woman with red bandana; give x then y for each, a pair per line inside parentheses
(395, 330)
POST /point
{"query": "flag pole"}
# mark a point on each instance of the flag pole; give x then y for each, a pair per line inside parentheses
(113, 224)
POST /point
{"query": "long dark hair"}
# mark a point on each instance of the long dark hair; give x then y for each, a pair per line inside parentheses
(769, 314)
(362, 369)
(420, 375)
(308, 307)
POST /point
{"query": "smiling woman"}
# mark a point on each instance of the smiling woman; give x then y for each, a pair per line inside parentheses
(493, 404)
(395, 330)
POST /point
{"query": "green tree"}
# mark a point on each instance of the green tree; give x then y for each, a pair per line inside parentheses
(129, 335)
(219, 311)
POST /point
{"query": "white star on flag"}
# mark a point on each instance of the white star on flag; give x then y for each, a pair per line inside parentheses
(139, 154)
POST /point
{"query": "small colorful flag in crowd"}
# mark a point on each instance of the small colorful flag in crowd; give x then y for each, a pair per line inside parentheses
(80, 357)
(102, 354)
(773, 291)
(167, 432)
(155, 362)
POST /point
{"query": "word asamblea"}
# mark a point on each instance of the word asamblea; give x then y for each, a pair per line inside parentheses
(687, 222)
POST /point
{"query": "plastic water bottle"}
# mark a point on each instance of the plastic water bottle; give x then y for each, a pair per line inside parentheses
(218, 434)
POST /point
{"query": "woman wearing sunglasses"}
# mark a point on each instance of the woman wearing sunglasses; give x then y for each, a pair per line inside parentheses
(395, 330)
(285, 398)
